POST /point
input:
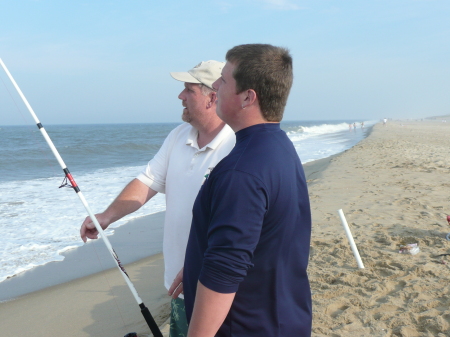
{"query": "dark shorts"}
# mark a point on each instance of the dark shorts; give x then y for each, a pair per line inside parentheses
(178, 321)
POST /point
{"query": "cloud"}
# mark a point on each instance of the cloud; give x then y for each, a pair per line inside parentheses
(284, 5)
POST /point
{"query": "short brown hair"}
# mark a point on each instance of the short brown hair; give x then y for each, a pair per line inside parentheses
(267, 70)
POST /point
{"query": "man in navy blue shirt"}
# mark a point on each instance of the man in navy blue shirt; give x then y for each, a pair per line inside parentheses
(247, 254)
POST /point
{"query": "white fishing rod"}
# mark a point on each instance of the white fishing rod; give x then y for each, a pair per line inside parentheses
(145, 312)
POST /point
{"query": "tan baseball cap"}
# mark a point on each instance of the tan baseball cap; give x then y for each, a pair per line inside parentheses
(206, 72)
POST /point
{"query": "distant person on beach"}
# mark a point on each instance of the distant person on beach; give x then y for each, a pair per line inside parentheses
(247, 254)
(384, 121)
(178, 170)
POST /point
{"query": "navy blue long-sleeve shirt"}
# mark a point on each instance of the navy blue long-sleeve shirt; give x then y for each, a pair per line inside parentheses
(250, 234)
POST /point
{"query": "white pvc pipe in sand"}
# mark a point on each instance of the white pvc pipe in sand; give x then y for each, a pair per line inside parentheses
(350, 239)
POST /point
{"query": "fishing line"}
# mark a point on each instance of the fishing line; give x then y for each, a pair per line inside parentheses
(25, 121)
(144, 310)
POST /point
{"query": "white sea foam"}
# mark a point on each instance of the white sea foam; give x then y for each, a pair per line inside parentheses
(321, 128)
(323, 140)
(304, 132)
(39, 221)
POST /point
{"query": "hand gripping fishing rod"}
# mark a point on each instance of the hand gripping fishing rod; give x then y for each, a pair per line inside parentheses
(145, 312)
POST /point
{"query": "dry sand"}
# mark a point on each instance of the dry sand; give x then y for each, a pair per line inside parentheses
(392, 189)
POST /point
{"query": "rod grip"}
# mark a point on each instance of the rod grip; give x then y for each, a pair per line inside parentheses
(150, 321)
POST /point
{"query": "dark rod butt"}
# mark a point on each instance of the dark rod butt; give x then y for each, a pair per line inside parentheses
(150, 321)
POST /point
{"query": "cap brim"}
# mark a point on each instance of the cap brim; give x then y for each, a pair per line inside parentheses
(184, 77)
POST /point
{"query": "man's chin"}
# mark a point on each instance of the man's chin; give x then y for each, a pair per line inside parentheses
(185, 117)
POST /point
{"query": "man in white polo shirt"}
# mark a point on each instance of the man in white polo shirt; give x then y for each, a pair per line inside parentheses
(178, 170)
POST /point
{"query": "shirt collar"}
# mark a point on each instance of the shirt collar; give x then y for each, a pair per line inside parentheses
(223, 134)
(192, 137)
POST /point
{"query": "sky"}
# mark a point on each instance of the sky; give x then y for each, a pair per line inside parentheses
(83, 62)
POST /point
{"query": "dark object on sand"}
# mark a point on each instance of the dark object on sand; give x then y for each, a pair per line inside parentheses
(441, 255)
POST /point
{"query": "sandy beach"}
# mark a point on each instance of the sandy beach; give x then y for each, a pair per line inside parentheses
(392, 189)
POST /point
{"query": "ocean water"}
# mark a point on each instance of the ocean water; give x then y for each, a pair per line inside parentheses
(39, 220)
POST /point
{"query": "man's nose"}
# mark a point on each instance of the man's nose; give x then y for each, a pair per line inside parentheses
(181, 95)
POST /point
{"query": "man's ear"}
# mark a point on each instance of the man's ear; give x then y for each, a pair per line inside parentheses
(249, 97)
(212, 99)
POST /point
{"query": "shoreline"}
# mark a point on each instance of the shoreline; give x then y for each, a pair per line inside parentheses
(132, 242)
(49, 267)
(129, 241)
(100, 300)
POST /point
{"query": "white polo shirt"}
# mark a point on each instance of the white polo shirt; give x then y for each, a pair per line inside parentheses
(178, 170)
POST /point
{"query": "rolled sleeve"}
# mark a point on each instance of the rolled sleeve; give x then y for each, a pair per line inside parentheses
(155, 181)
(238, 205)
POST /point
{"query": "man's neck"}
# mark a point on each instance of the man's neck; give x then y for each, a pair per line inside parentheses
(252, 115)
(208, 132)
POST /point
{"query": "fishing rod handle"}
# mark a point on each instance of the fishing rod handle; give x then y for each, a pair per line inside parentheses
(150, 321)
